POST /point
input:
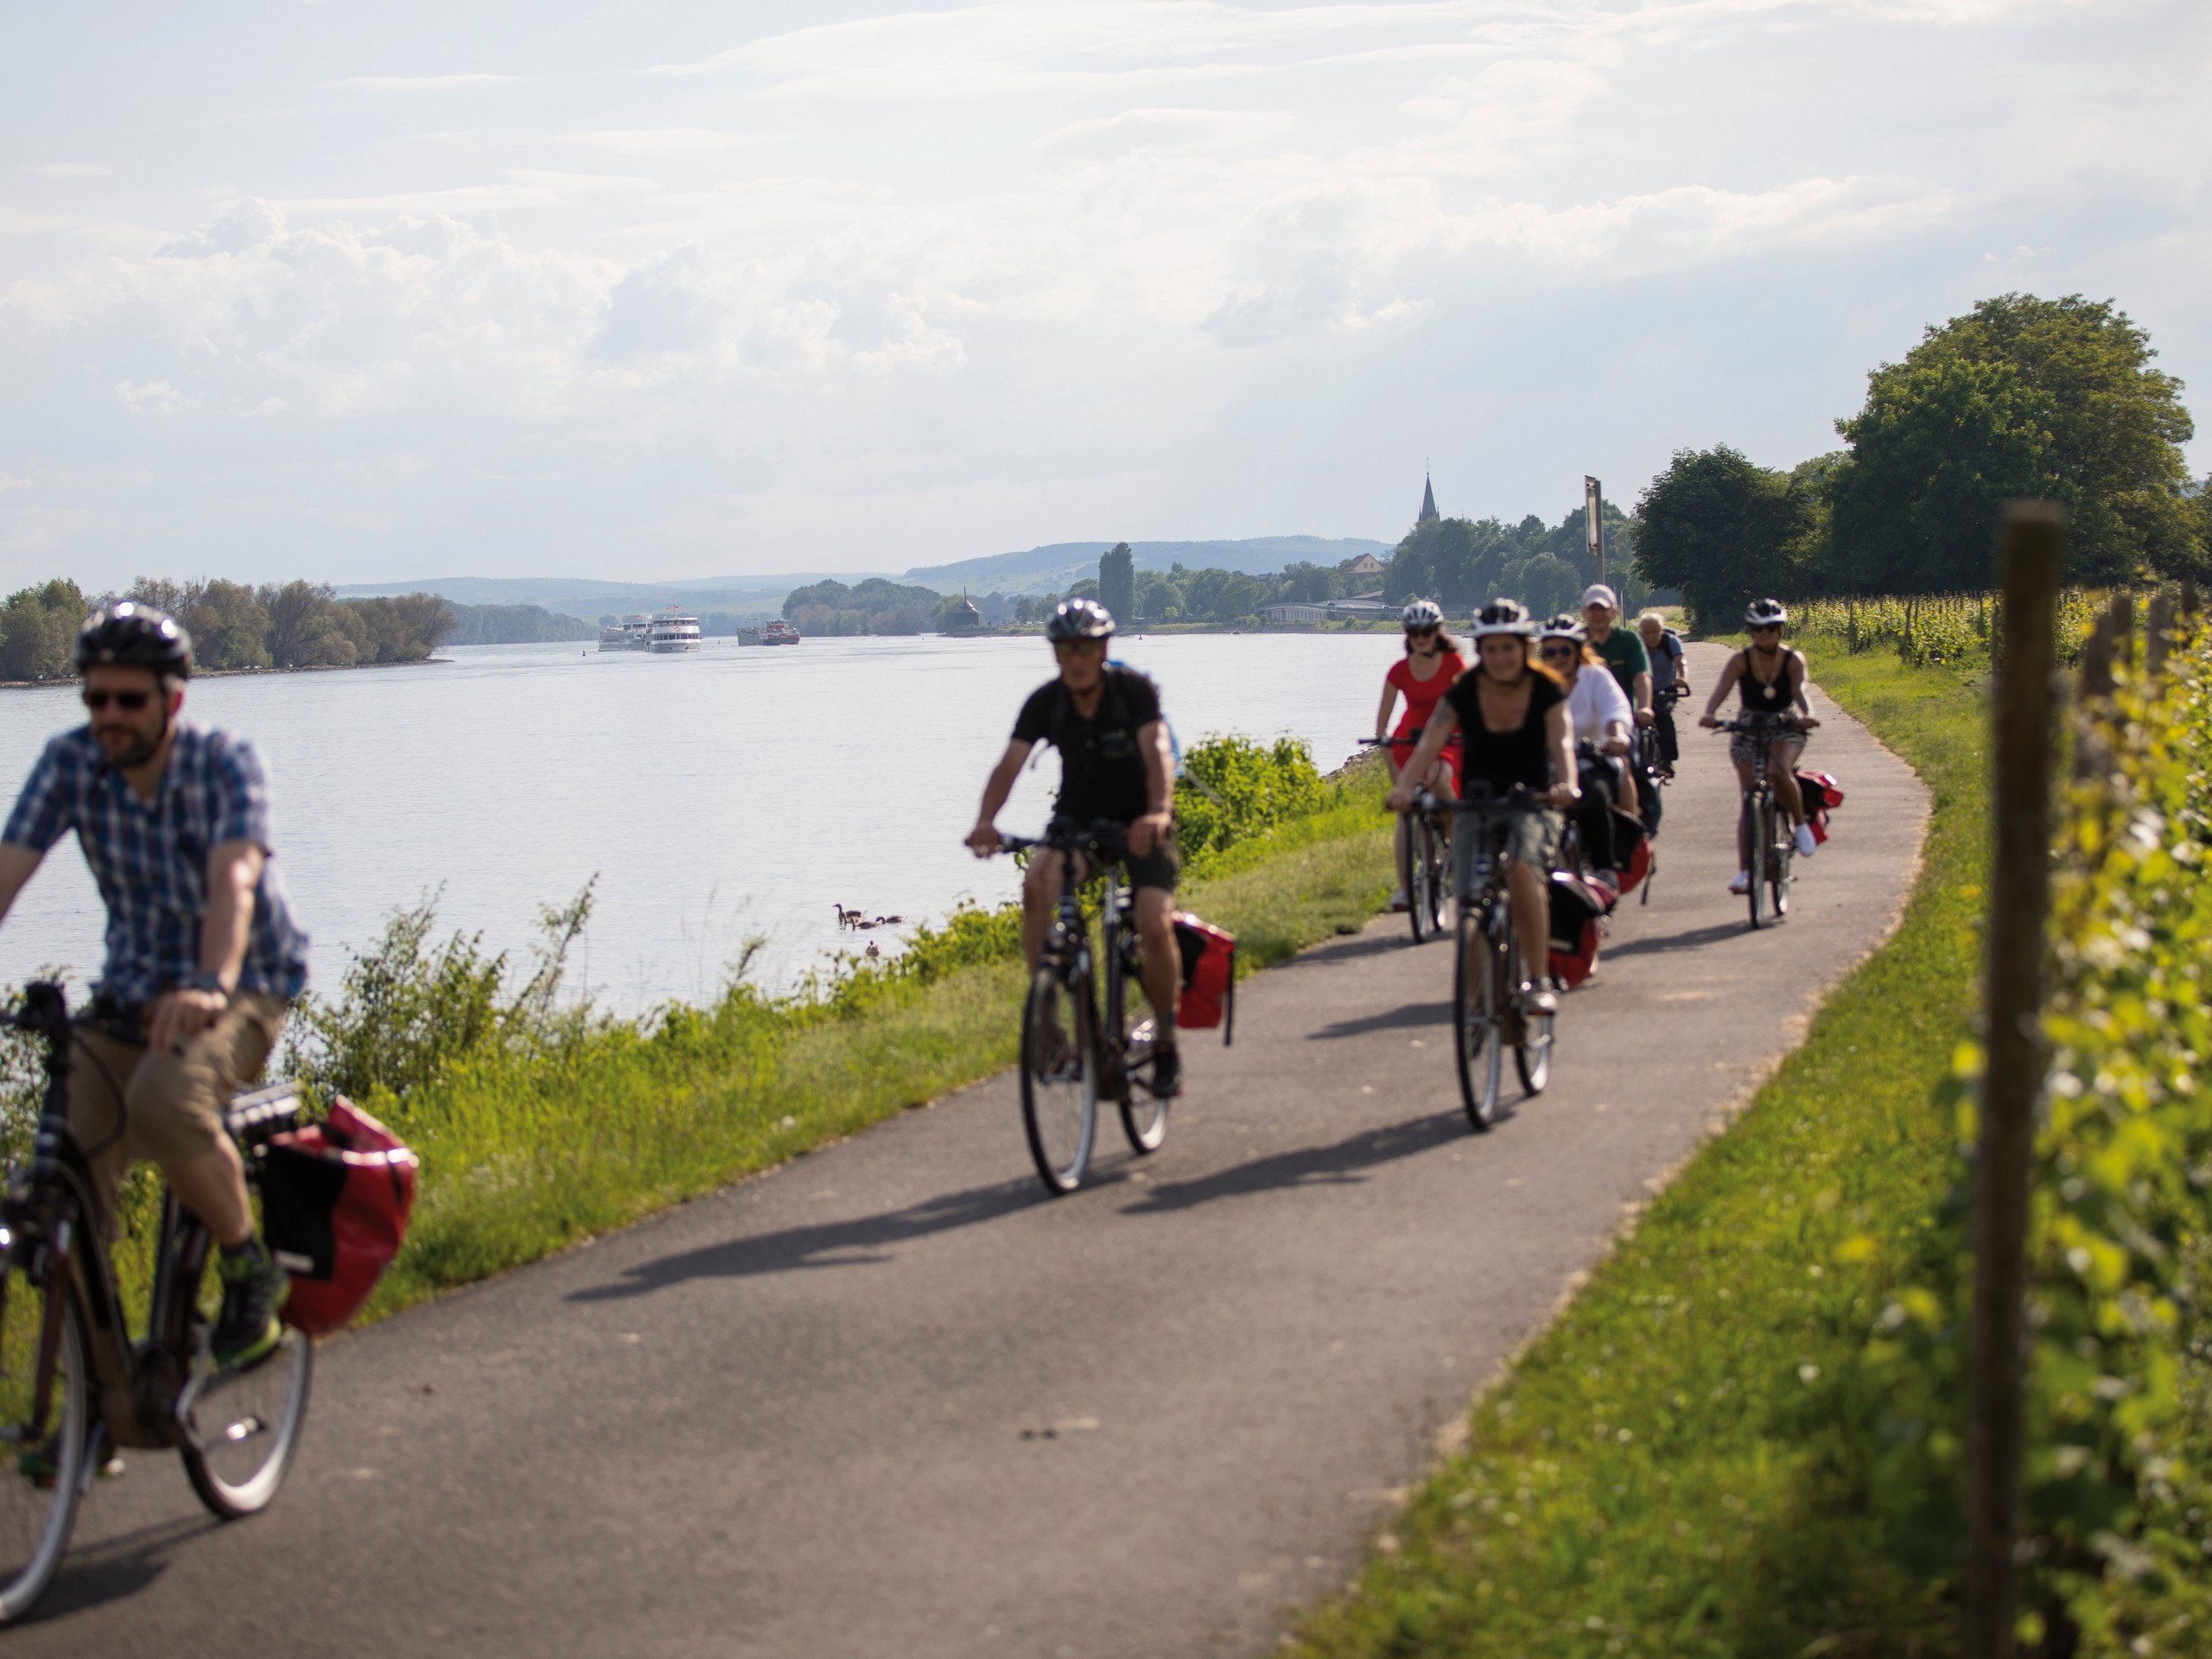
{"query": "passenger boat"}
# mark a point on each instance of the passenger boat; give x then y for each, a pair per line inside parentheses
(671, 632)
(632, 633)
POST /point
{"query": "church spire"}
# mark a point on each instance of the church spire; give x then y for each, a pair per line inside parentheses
(1427, 502)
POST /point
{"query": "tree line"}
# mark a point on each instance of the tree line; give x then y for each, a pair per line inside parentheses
(290, 624)
(875, 606)
(1463, 563)
(2021, 397)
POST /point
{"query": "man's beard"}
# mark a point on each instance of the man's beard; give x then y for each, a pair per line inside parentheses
(141, 750)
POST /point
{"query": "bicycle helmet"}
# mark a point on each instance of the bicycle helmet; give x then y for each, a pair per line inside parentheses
(127, 635)
(1765, 614)
(1421, 613)
(1503, 616)
(1079, 619)
(1566, 625)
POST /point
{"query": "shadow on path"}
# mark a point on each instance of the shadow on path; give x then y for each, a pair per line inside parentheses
(857, 1242)
(1344, 949)
(1693, 938)
(115, 1569)
(1339, 1165)
(1409, 1017)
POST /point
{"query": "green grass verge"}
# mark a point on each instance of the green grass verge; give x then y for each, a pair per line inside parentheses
(1665, 1469)
(524, 1157)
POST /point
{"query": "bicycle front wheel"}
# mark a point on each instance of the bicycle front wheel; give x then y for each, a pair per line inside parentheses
(42, 1337)
(1421, 899)
(1778, 866)
(1475, 1005)
(1059, 1080)
(245, 1426)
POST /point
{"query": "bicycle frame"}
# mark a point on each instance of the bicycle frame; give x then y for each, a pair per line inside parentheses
(52, 1222)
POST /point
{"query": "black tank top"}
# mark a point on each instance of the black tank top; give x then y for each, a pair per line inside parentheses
(1505, 759)
(1760, 698)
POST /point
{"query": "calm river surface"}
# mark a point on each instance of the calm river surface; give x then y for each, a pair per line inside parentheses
(717, 796)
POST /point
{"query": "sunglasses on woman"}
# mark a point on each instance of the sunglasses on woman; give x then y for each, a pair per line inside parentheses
(1559, 653)
(96, 700)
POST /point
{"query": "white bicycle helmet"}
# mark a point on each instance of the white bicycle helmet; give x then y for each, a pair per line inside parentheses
(1765, 614)
(1503, 616)
(1421, 613)
(1566, 626)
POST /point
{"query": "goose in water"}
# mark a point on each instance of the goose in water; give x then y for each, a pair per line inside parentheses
(873, 949)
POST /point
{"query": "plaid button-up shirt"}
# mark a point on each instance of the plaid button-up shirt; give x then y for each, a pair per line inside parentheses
(149, 858)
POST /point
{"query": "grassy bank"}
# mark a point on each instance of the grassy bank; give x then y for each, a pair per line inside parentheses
(1681, 1464)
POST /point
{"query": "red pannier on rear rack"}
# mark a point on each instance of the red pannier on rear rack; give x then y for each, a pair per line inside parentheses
(335, 1197)
(1209, 995)
(1823, 796)
(1578, 909)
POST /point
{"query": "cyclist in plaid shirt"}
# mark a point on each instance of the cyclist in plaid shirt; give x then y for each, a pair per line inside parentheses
(202, 955)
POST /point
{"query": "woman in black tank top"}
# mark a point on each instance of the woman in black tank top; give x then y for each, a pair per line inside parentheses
(1515, 730)
(1770, 679)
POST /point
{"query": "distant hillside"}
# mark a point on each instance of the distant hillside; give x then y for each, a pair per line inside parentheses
(582, 597)
(1056, 563)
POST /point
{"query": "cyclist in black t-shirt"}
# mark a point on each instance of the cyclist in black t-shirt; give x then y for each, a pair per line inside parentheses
(1115, 765)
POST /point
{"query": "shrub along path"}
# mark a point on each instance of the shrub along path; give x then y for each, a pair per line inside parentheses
(892, 1399)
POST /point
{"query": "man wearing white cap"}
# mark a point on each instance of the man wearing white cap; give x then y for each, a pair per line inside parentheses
(1623, 652)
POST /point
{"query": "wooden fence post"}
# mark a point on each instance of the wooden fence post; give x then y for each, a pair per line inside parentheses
(2033, 535)
(2157, 636)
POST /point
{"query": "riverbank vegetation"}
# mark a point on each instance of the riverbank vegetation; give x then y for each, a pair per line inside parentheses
(2021, 397)
(541, 1122)
(290, 624)
(1744, 1435)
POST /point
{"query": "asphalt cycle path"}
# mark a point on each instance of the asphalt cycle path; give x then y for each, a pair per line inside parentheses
(892, 1399)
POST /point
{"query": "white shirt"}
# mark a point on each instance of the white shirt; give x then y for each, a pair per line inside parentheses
(1595, 701)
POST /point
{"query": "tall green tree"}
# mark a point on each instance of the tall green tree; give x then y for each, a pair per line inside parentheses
(1722, 530)
(2023, 394)
(1943, 442)
(38, 631)
(1117, 584)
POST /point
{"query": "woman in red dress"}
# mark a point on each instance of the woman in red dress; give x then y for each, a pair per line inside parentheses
(1432, 662)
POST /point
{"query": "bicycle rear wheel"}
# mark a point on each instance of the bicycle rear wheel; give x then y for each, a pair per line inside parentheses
(1474, 1019)
(1755, 840)
(44, 1473)
(1059, 1079)
(1532, 1055)
(247, 1423)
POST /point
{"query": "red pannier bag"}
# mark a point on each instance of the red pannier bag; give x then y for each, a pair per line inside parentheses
(1630, 834)
(1208, 994)
(1823, 796)
(1579, 908)
(335, 1197)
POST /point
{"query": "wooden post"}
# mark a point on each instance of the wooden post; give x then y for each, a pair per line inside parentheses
(2157, 636)
(2123, 629)
(2033, 535)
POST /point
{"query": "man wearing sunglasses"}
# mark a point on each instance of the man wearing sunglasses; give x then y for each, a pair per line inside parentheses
(1116, 765)
(203, 960)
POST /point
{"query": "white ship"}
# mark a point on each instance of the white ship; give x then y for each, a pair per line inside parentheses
(777, 632)
(671, 632)
(668, 631)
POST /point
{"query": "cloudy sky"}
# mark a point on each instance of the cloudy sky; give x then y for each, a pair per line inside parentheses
(368, 291)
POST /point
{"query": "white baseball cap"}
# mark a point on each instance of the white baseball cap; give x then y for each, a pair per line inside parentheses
(1598, 593)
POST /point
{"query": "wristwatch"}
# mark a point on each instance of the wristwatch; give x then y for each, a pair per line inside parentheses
(208, 982)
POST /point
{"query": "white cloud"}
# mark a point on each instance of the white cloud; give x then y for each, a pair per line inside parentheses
(69, 169)
(153, 397)
(1167, 129)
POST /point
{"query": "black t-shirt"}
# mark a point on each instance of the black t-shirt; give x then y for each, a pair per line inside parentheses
(1505, 759)
(1101, 765)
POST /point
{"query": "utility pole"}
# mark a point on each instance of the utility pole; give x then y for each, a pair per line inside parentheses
(1593, 518)
(2031, 536)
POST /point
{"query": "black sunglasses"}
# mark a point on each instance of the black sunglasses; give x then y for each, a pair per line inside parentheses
(1557, 651)
(96, 700)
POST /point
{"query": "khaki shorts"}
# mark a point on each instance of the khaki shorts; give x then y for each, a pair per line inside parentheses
(1531, 838)
(172, 1104)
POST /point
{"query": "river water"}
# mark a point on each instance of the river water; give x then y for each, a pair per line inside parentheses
(732, 794)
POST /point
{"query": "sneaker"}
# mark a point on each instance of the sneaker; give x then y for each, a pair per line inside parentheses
(1399, 901)
(1742, 883)
(1167, 1074)
(1805, 841)
(1538, 999)
(254, 1287)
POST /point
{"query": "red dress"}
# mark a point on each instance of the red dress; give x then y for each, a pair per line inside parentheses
(1421, 698)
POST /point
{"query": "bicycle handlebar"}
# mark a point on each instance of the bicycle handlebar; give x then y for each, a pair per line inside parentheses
(1107, 837)
(1760, 724)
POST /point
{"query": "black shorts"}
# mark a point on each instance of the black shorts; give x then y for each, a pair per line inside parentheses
(1157, 869)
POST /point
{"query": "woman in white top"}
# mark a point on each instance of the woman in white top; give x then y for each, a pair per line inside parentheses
(1602, 717)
